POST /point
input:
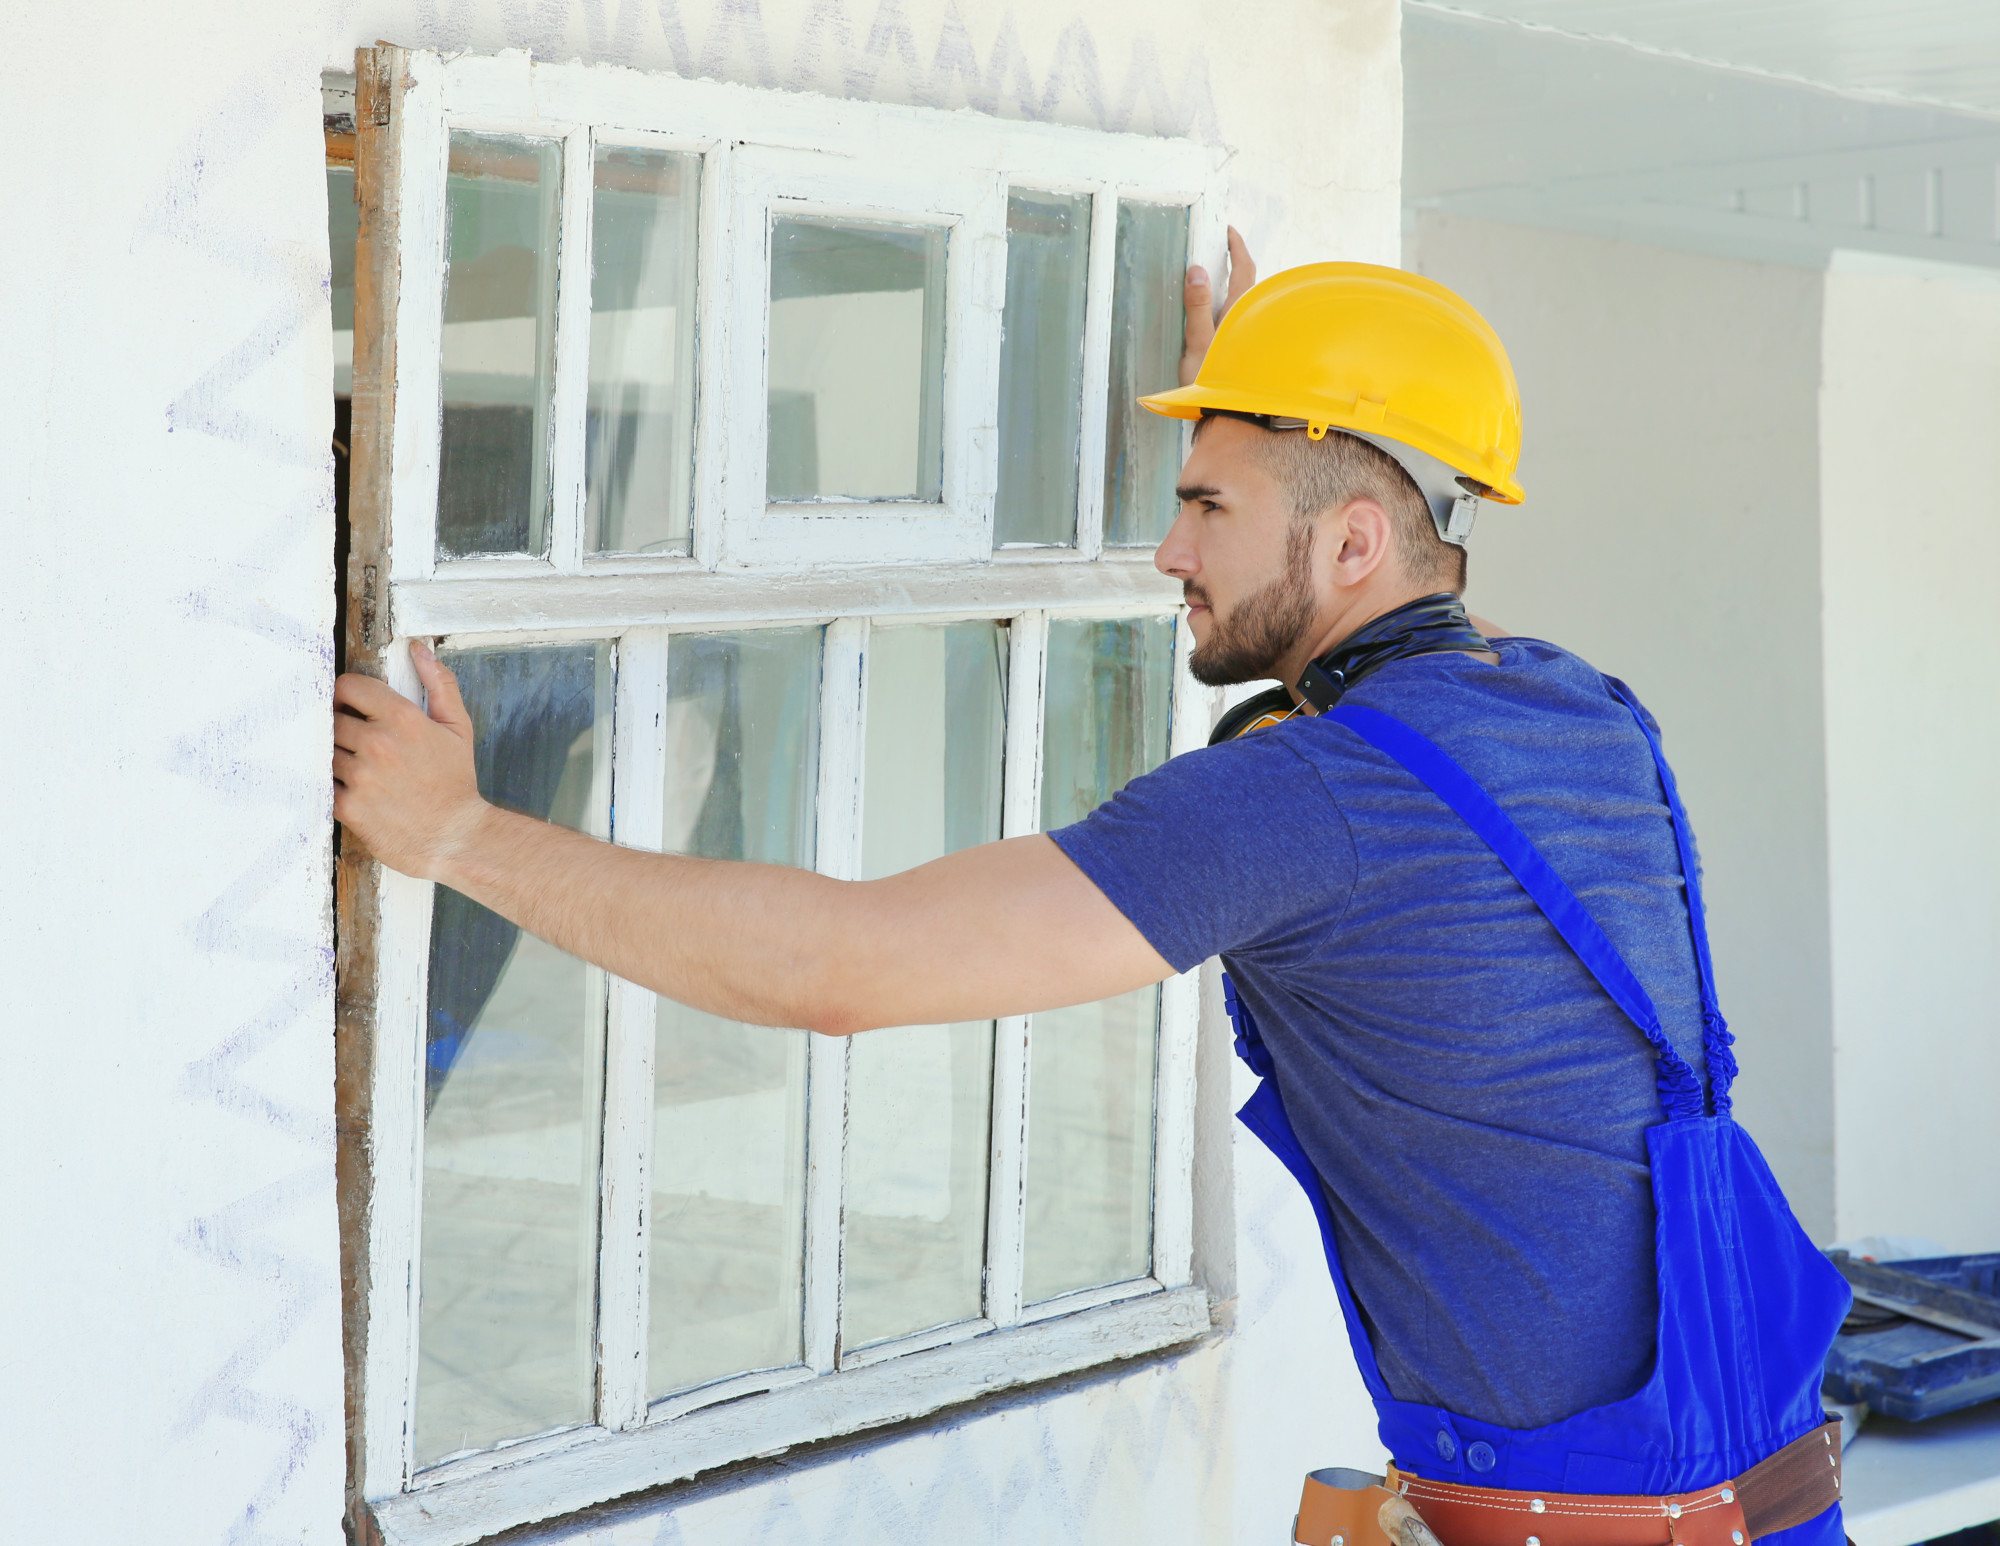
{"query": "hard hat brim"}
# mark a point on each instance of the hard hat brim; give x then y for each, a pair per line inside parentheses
(1188, 402)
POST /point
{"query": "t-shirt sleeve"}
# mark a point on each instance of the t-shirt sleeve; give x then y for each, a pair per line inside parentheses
(1219, 850)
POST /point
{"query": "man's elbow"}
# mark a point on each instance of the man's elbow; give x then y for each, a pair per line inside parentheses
(832, 1001)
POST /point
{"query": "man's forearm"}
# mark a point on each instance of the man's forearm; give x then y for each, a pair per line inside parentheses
(998, 929)
(748, 942)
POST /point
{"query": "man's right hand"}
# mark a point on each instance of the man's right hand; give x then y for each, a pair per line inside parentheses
(403, 779)
(1198, 295)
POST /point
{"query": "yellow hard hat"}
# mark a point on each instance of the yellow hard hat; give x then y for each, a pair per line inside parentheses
(1390, 356)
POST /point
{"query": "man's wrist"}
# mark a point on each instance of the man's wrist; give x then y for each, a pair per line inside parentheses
(467, 838)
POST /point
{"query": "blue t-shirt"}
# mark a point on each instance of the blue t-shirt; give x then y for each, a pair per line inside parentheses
(1472, 1100)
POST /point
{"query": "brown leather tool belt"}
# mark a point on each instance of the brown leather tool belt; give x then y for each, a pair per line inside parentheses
(1800, 1482)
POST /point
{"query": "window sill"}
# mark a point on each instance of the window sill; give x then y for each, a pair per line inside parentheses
(594, 1465)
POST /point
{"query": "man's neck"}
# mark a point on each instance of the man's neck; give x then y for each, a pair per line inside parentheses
(1359, 612)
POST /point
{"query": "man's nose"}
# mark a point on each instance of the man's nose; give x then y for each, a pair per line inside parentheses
(1176, 554)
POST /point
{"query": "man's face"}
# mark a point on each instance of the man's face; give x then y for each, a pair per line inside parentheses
(1244, 563)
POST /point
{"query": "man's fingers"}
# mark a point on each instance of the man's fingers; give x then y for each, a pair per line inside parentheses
(1242, 269)
(1198, 297)
(367, 696)
(447, 707)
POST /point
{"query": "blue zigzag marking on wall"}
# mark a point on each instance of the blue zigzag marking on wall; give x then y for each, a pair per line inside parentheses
(839, 56)
(248, 1238)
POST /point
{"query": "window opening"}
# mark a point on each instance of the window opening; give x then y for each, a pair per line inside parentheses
(513, 1092)
(729, 1125)
(1142, 451)
(920, 1098)
(639, 426)
(1041, 368)
(502, 196)
(856, 362)
(1091, 1067)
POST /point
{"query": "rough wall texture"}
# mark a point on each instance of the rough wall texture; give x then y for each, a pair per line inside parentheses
(172, 1276)
(171, 1363)
(1671, 536)
(1910, 470)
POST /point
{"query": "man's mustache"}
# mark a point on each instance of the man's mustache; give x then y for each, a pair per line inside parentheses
(1193, 595)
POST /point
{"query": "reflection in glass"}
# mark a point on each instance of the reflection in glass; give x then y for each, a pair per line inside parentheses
(1041, 368)
(1090, 1076)
(729, 1123)
(639, 430)
(499, 343)
(920, 1098)
(856, 361)
(512, 1099)
(1142, 451)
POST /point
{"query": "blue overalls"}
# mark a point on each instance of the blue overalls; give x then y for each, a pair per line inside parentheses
(1748, 1307)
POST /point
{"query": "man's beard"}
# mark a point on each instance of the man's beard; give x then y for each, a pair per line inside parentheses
(1247, 645)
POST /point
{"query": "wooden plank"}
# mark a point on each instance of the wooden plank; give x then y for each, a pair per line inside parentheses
(461, 1505)
(379, 79)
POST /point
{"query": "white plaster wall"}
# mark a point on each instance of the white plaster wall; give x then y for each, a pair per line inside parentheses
(1671, 536)
(168, 1285)
(173, 1350)
(1911, 486)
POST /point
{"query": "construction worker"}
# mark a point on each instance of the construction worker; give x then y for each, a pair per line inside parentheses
(1457, 900)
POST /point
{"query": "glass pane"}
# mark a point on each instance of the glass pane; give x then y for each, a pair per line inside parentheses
(512, 1098)
(639, 430)
(1142, 451)
(920, 1097)
(729, 1120)
(1041, 368)
(499, 343)
(856, 361)
(343, 230)
(1090, 1075)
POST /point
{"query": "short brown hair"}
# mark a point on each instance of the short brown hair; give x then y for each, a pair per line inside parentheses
(1321, 475)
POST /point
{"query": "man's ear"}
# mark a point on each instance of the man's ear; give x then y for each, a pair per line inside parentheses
(1366, 539)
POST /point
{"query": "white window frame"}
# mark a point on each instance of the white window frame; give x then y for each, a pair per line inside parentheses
(751, 565)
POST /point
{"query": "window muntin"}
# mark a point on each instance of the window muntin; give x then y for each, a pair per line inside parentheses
(1092, 1067)
(502, 195)
(639, 425)
(1142, 450)
(679, 1418)
(513, 1057)
(919, 1105)
(727, 1215)
(856, 386)
(1041, 368)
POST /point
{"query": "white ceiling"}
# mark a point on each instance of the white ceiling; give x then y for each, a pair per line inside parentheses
(1512, 119)
(1941, 51)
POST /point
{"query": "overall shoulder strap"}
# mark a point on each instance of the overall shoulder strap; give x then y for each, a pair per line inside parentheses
(1717, 1041)
(1680, 1090)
